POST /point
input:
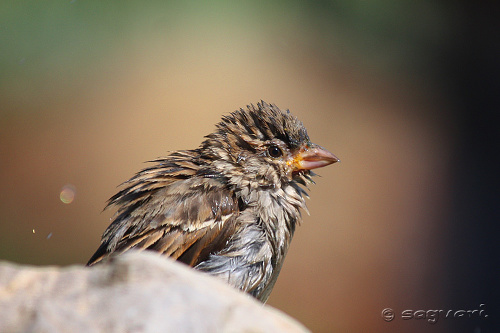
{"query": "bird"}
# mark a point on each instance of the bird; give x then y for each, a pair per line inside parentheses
(228, 208)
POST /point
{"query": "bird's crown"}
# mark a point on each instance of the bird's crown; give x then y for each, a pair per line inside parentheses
(263, 122)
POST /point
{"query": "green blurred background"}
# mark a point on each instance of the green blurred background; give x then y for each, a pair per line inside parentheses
(404, 92)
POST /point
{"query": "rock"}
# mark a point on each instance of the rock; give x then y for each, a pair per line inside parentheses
(136, 292)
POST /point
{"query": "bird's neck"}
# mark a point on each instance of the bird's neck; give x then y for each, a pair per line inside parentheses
(276, 203)
(279, 211)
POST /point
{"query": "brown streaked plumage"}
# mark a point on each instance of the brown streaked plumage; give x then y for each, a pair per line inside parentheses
(229, 207)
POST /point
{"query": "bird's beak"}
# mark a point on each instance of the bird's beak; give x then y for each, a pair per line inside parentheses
(313, 156)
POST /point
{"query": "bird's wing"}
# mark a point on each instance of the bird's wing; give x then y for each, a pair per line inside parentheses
(170, 209)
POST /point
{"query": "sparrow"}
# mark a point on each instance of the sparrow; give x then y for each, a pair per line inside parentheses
(228, 208)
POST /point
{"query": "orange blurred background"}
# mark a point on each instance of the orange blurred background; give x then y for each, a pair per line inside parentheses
(90, 90)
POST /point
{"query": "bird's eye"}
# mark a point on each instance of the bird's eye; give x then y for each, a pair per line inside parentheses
(274, 151)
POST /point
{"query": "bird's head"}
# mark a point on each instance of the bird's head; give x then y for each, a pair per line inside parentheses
(264, 146)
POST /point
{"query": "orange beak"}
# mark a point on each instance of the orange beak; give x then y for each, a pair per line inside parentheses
(313, 156)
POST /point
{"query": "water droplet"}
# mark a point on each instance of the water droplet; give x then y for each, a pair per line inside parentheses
(67, 194)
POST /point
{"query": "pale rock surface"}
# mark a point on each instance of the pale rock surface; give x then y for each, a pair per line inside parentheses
(137, 292)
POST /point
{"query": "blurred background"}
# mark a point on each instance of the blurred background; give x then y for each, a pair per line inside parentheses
(405, 93)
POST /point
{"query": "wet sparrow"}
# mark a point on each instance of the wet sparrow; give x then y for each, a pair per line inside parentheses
(229, 207)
